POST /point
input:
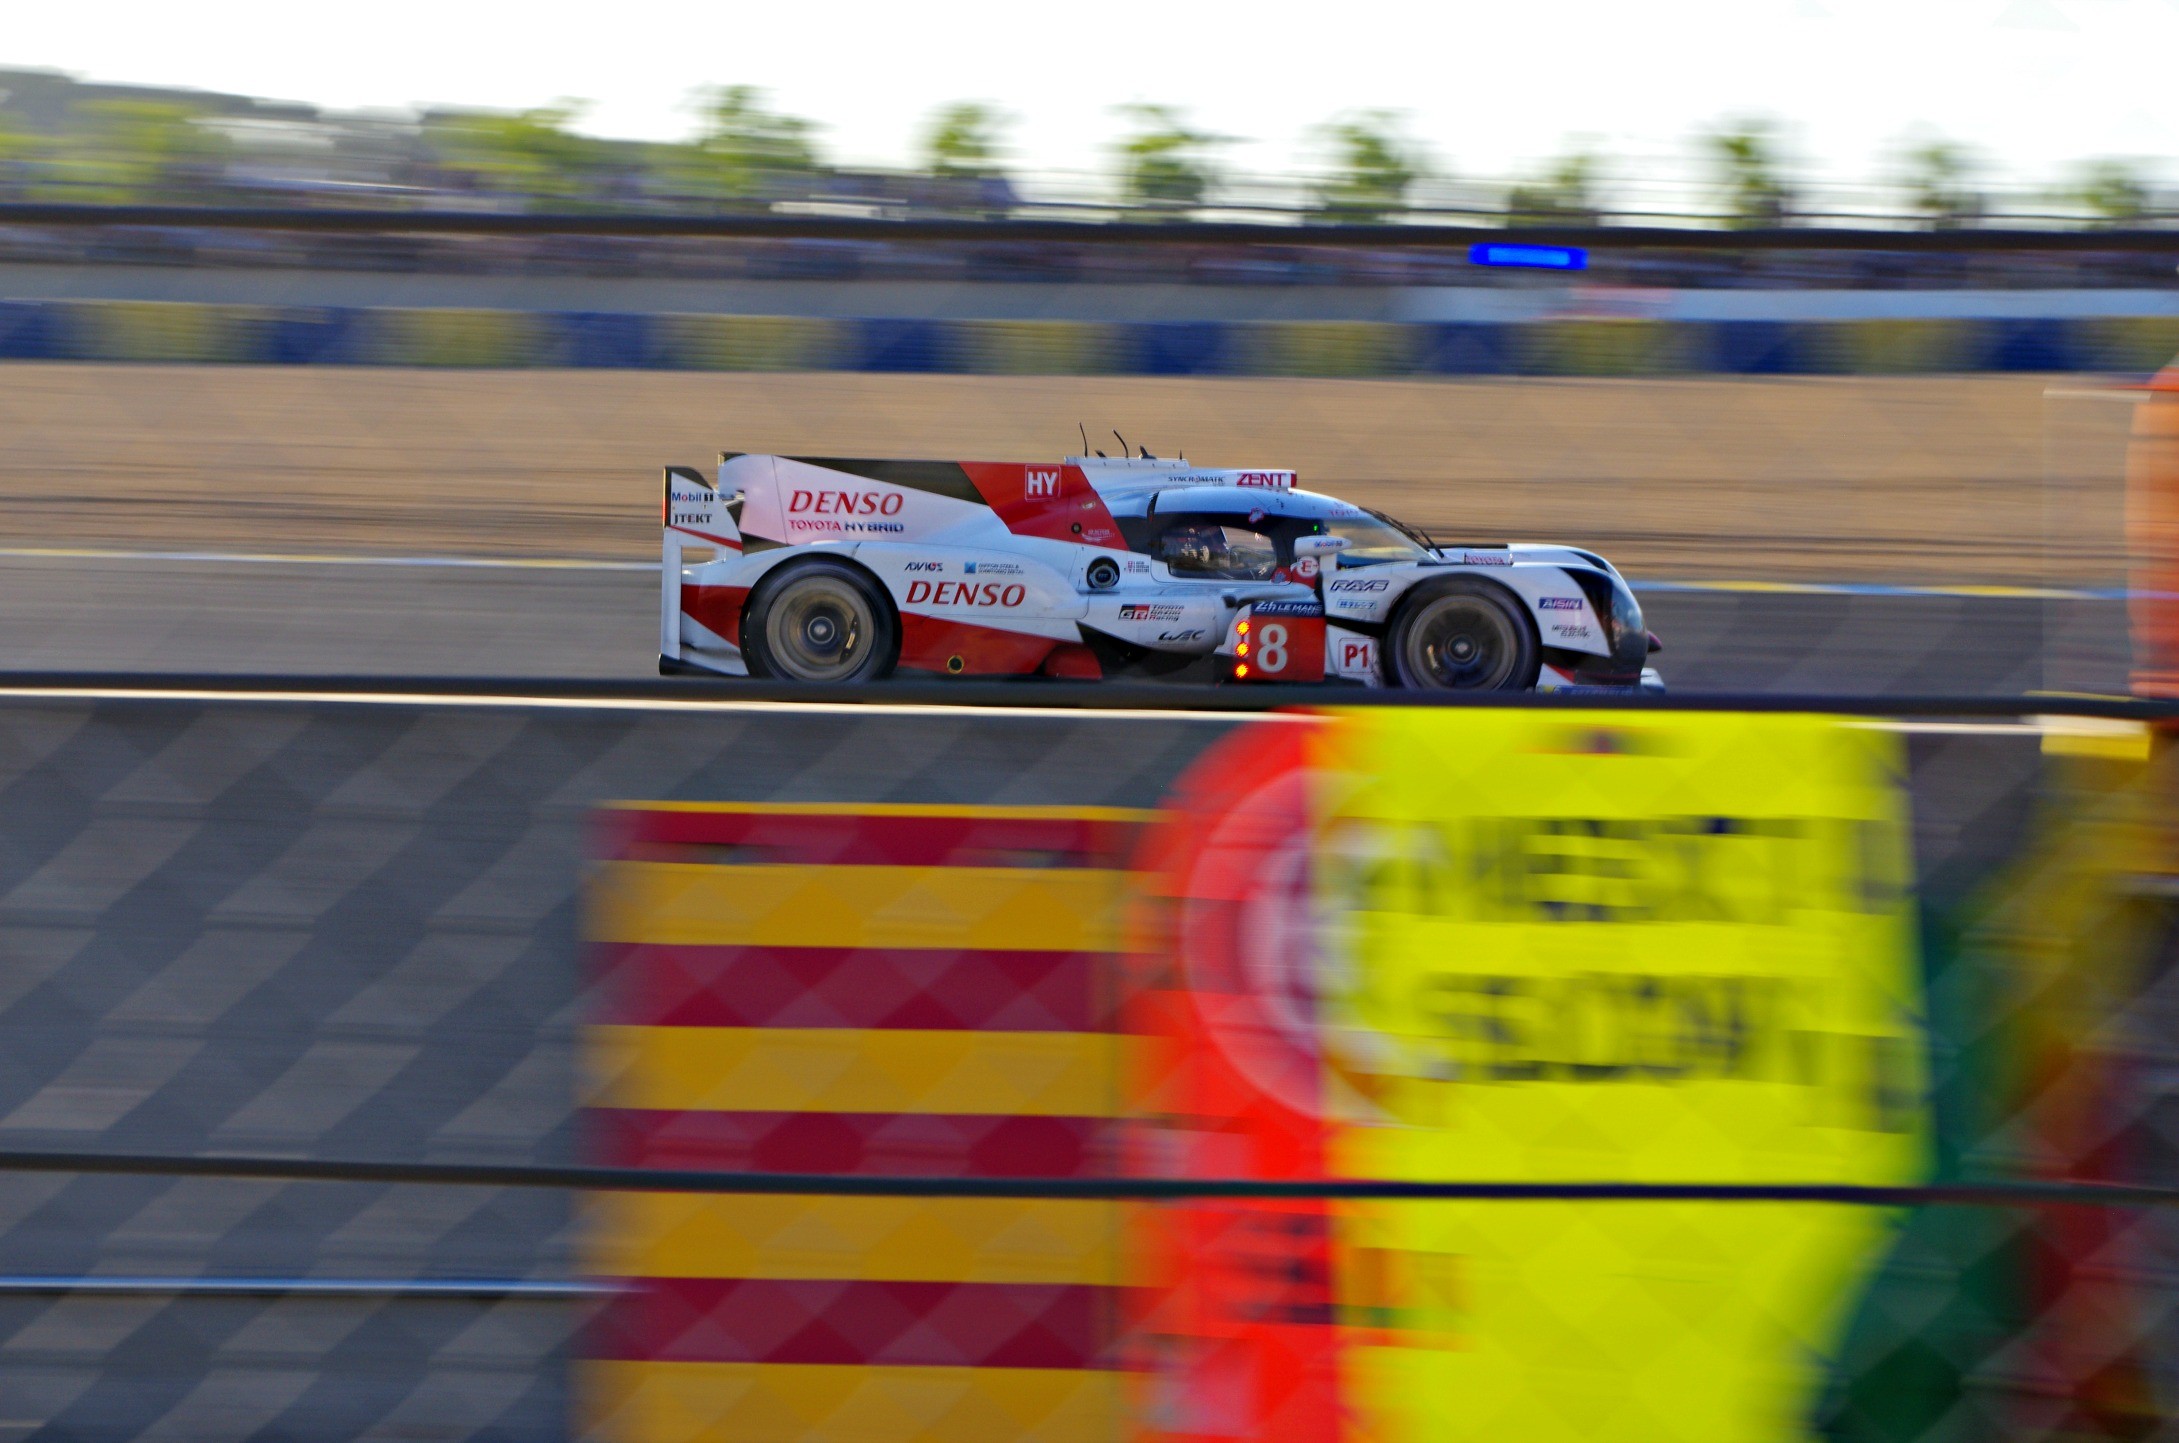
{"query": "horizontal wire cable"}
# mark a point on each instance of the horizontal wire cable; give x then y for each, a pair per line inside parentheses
(1141, 1189)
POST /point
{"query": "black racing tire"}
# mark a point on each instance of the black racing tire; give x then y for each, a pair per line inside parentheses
(820, 621)
(1462, 633)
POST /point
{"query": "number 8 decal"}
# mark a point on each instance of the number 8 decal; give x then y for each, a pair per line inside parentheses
(1272, 657)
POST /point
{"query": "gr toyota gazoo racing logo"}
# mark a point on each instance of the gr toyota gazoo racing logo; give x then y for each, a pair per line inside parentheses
(1003, 595)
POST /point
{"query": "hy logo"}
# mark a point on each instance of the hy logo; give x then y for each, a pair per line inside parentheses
(1040, 483)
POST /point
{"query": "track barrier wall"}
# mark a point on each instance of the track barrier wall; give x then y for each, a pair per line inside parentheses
(950, 948)
(180, 331)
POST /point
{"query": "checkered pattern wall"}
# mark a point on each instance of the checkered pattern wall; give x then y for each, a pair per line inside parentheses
(353, 931)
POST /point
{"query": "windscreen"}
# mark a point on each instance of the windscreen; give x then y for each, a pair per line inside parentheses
(1372, 540)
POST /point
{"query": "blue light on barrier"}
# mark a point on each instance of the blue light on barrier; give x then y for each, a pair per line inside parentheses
(1549, 258)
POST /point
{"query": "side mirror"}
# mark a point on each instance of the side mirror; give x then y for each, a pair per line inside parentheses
(1323, 551)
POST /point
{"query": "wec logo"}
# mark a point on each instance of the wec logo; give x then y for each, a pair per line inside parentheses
(966, 593)
(846, 503)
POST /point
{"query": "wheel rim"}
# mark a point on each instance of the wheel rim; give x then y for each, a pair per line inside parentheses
(1461, 643)
(820, 629)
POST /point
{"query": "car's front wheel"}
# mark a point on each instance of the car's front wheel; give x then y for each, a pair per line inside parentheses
(820, 621)
(1462, 634)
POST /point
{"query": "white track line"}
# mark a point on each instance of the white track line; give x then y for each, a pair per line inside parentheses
(2036, 725)
(609, 703)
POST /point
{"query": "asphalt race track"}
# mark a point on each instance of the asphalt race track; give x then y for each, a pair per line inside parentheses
(443, 618)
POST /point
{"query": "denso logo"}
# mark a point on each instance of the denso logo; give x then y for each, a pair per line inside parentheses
(1559, 603)
(1040, 483)
(846, 503)
(965, 593)
(926, 566)
(1374, 583)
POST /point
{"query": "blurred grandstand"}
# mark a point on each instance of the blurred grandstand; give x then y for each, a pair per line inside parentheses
(64, 141)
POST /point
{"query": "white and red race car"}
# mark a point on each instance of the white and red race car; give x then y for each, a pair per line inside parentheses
(846, 571)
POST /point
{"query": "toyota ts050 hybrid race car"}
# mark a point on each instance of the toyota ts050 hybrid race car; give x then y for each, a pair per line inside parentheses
(846, 571)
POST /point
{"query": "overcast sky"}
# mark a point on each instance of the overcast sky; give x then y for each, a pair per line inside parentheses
(1489, 88)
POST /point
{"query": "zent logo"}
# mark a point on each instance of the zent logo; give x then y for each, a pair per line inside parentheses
(846, 503)
(1273, 480)
(965, 593)
(1040, 483)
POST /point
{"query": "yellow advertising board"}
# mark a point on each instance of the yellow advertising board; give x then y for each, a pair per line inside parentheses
(1608, 947)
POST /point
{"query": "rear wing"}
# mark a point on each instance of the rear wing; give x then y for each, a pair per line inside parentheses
(695, 513)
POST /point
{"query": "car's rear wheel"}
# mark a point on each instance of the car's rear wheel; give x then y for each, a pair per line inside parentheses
(820, 621)
(1462, 634)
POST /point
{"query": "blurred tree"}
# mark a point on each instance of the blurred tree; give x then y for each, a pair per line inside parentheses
(138, 150)
(1565, 195)
(1374, 168)
(2111, 190)
(743, 147)
(1937, 174)
(20, 152)
(1746, 163)
(962, 141)
(529, 153)
(1163, 165)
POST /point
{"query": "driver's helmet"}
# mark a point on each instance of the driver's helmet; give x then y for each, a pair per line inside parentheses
(1201, 546)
